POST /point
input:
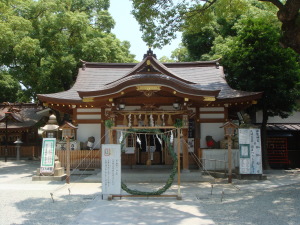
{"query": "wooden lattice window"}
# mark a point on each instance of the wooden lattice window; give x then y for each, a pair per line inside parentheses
(277, 150)
(130, 141)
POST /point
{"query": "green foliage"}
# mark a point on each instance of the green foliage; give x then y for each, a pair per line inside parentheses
(200, 21)
(178, 123)
(9, 88)
(109, 123)
(165, 59)
(210, 40)
(159, 20)
(200, 43)
(180, 54)
(42, 41)
(256, 62)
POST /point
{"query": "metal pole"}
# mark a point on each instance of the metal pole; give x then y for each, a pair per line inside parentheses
(229, 160)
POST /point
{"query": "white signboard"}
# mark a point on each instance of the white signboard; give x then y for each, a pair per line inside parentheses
(191, 145)
(250, 151)
(48, 155)
(111, 169)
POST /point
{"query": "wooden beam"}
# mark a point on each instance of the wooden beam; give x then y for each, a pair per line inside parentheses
(102, 126)
(185, 151)
(159, 127)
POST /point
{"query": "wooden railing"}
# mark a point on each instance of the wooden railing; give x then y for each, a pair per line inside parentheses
(25, 151)
(81, 159)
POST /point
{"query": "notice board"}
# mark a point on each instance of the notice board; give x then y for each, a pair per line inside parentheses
(48, 155)
(111, 169)
(250, 151)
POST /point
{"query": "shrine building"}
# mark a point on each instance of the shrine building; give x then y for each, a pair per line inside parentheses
(151, 94)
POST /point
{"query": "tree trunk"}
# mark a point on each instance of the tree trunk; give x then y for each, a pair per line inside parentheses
(265, 160)
(288, 14)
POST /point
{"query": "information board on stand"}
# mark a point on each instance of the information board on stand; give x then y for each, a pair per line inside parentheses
(48, 155)
(111, 170)
(250, 151)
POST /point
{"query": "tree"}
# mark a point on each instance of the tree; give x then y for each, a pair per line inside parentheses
(212, 39)
(204, 45)
(9, 88)
(160, 19)
(42, 41)
(255, 62)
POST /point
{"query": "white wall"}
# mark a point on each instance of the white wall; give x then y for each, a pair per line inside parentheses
(87, 130)
(211, 129)
(295, 118)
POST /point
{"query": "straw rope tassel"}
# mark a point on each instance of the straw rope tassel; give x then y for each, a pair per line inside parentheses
(135, 121)
(146, 120)
(170, 122)
(125, 121)
(158, 122)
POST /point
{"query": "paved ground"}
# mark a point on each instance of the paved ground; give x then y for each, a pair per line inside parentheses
(22, 201)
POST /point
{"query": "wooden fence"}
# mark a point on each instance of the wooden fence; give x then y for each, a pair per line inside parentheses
(25, 151)
(81, 159)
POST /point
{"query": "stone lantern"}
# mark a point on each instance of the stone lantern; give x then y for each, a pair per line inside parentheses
(51, 128)
(18, 143)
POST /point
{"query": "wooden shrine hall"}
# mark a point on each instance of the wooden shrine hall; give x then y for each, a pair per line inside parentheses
(146, 95)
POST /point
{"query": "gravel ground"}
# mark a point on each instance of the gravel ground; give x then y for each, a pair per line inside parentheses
(276, 205)
(275, 201)
(23, 201)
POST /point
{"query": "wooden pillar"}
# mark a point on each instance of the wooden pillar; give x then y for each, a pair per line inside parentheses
(226, 113)
(185, 151)
(178, 161)
(68, 160)
(229, 159)
(197, 131)
(74, 116)
(102, 125)
(111, 138)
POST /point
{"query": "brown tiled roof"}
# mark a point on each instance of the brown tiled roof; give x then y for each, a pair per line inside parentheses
(28, 116)
(283, 127)
(98, 78)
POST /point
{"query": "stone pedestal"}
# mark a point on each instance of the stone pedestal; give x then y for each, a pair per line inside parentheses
(58, 175)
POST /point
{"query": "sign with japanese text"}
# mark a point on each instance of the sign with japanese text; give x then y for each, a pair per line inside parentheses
(111, 169)
(48, 155)
(250, 151)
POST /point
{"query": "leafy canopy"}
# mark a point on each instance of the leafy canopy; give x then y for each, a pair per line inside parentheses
(256, 62)
(210, 40)
(42, 41)
(9, 88)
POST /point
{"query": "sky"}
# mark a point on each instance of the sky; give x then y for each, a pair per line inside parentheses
(127, 29)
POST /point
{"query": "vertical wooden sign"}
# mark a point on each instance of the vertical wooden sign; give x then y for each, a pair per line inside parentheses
(111, 169)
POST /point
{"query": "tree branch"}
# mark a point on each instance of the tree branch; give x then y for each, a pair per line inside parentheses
(192, 12)
(206, 6)
(277, 3)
